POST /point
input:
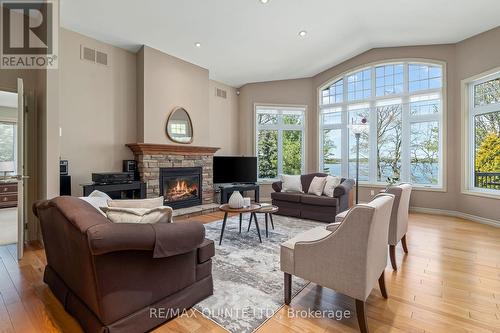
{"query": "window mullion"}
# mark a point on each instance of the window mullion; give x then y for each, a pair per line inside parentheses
(280, 144)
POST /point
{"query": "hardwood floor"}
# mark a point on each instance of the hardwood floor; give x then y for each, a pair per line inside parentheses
(449, 282)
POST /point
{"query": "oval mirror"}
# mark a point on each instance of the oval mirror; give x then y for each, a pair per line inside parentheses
(179, 126)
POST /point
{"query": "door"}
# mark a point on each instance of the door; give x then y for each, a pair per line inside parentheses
(20, 169)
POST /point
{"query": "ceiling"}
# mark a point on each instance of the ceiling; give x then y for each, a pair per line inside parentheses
(244, 41)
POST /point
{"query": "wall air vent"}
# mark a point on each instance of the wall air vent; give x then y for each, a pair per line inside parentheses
(86, 53)
(220, 93)
(101, 58)
(93, 55)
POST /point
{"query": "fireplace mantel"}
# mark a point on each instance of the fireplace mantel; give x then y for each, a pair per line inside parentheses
(161, 149)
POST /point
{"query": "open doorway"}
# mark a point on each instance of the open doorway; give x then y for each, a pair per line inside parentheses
(8, 167)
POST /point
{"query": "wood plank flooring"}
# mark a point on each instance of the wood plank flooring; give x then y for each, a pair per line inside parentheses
(449, 282)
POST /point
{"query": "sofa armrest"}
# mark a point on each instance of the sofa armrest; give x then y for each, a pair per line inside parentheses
(206, 251)
(343, 188)
(164, 239)
(277, 186)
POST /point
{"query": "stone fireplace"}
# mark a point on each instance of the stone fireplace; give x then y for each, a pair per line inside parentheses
(182, 174)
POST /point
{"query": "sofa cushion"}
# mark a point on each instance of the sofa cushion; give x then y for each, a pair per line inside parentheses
(282, 196)
(139, 215)
(307, 179)
(310, 199)
(330, 185)
(317, 186)
(137, 203)
(291, 183)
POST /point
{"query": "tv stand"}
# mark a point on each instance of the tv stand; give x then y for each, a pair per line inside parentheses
(227, 190)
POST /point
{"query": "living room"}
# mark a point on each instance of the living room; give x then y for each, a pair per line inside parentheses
(225, 147)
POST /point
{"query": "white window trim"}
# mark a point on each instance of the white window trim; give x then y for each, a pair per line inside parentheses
(467, 150)
(302, 127)
(440, 187)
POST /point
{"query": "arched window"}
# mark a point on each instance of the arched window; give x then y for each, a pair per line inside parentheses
(402, 102)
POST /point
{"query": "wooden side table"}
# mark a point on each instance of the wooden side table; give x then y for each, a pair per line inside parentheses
(268, 212)
(251, 209)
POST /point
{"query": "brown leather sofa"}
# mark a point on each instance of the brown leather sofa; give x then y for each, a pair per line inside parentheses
(309, 206)
(125, 278)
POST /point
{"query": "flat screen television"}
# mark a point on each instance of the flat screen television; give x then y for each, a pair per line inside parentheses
(235, 169)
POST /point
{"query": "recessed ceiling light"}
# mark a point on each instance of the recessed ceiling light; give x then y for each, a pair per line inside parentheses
(264, 1)
(197, 44)
(302, 33)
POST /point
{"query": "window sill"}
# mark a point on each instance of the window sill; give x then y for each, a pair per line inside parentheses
(414, 187)
(483, 194)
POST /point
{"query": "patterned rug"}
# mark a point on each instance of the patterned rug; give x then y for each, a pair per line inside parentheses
(248, 283)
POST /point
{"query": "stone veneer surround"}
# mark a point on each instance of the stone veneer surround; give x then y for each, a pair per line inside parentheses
(151, 157)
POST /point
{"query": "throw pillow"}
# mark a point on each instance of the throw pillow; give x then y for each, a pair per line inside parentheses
(317, 186)
(331, 183)
(138, 215)
(291, 183)
(99, 194)
(137, 203)
(97, 202)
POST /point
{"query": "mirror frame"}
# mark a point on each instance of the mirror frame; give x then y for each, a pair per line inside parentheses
(190, 123)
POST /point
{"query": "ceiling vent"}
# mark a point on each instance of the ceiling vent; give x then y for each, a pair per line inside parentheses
(220, 93)
(92, 55)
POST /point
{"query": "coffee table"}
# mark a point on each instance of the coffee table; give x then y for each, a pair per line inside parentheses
(250, 209)
(268, 212)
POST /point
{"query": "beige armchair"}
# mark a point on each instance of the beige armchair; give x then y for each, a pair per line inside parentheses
(357, 250)
(399, 219)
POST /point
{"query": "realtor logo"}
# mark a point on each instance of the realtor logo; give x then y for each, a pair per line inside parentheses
(29, 34)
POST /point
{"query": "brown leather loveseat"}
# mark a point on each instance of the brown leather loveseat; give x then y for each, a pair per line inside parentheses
(122, 277)
(310, 206)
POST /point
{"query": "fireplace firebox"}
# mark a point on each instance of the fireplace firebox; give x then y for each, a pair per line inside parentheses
(181, 187)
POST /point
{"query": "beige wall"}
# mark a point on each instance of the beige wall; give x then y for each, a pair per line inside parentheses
(223, 119)
(288, 92)
(465, 59)
(165, 83)
(98, 108)
(475, 56)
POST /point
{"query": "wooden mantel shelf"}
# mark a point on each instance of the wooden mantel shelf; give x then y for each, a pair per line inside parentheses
(160, 149)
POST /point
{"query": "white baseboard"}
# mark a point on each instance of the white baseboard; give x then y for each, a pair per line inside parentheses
(453, 213)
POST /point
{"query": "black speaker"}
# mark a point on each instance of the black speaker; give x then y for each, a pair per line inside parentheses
(63, 167)
(65, 185)
(129, 166)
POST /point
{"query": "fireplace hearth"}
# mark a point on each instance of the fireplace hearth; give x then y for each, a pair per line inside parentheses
(181, 186)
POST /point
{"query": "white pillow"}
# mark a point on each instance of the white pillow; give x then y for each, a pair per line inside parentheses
(99, 194)
(291, 183)
(139, 215)
(137, 203)
(97, 202)
(331, 183)
(317, 186)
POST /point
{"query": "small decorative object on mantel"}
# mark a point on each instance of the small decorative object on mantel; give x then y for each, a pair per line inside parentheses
(236, 200)
(179, 126)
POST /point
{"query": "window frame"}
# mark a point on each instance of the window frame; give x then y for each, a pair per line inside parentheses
(280, 127)
(469, 112)
(13, 123)
(407, 120)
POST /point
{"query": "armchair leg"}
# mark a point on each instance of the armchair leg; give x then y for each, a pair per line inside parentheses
(360, 313)
(392, 254)
(381, 283)
(403, 242)
(288, 288)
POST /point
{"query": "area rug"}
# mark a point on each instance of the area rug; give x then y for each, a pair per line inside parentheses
(248, 283)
